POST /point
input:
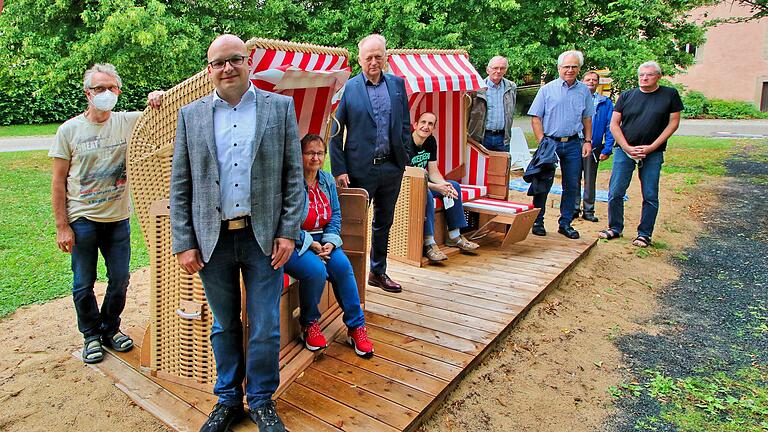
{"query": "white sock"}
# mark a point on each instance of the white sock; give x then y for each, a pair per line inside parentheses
(429, 240)
(454, 233)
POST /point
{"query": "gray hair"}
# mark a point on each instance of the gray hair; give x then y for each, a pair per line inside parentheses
(375, 37)
(498, 57)
(103, 68)
(571, 53)
(652, 64)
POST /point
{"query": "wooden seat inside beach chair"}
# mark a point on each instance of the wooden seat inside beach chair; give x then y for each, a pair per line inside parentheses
(438, 81)
(177, 344)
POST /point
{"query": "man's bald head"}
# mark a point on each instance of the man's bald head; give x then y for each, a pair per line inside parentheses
(226, 41)
(228, 68)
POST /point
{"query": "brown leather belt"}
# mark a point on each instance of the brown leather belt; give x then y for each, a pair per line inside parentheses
(236, 224)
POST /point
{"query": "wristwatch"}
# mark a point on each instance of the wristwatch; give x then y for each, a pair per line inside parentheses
(589, 141)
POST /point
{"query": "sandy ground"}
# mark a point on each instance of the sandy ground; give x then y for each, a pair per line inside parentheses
(549, 374)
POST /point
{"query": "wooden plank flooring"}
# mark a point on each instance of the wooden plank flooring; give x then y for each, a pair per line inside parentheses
(448, 317)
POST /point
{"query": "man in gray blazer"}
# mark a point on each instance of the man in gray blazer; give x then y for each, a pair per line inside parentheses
(236, 199)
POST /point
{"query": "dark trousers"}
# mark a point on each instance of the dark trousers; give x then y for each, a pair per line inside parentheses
(590, 164)
(113, 239)
(383, 187)
(569, 154)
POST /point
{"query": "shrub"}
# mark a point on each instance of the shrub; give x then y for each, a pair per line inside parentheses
(725, 109)
(695, 103)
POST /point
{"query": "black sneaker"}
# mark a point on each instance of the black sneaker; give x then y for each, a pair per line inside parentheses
(538, 230)
(266, 418)
(222, 417)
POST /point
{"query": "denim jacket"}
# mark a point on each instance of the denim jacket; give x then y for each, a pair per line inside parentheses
(332, 230)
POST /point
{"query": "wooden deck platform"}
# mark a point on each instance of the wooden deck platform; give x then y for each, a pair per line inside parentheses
(426, 338)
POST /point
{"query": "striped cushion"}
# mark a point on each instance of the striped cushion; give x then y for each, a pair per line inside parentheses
(468, 192)
(497, 206)
(287, 280)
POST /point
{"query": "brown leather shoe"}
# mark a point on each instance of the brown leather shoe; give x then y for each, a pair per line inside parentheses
(384, 282)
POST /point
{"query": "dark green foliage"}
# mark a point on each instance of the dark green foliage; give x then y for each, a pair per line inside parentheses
(155, 44)
(695, 104)
(726, 109)
(698, 106)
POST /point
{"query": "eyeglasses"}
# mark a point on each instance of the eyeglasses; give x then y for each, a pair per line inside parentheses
(101, 89)
(498, 68)
(310, 155)
(234, 61)
(570, 67)
(643, 75)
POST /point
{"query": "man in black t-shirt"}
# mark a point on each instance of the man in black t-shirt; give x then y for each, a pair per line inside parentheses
(643, 119)
(424, 151)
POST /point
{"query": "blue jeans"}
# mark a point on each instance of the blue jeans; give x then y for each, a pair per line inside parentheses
(569, 154)
(454, 216)
(495, 143)
(649, 171)
(312, 272)
(236, 252)
(113, 239)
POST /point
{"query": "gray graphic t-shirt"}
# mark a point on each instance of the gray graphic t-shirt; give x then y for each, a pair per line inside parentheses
(97, 186)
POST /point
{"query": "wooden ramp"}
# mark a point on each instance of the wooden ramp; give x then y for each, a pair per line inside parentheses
(426, 338)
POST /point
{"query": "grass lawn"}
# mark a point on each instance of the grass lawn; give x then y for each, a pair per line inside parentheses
(28, 130)
(34, 270)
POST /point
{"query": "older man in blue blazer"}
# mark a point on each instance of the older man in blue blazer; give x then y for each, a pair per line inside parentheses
(236, 201)
(369, 148)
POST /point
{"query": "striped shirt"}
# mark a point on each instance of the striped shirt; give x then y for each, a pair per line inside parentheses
(494, 117)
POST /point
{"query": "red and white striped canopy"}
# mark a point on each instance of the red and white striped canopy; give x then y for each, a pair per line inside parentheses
(436, 72)
(314, 80)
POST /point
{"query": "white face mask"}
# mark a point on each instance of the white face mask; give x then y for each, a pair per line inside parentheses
(104, 101)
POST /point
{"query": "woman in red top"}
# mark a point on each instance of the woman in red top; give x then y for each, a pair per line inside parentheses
(318, 256)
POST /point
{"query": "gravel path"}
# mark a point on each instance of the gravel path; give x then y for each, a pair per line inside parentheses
(705, 323)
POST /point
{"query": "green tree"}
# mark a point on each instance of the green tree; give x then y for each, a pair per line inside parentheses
(47, 44)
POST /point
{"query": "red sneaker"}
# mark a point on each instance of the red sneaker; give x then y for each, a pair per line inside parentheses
(358, 338)
(313, 337)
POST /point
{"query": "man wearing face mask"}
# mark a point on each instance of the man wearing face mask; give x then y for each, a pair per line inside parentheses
(91, 206)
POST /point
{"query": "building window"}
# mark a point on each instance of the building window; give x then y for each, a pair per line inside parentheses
(690, 49)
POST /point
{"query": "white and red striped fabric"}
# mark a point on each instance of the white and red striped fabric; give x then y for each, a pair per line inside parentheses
(497, 206)
(468, 192)
(476, 170)
(430, 73)
(313, 80)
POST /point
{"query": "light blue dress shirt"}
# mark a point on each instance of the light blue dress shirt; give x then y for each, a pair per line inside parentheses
(233, 130)
(494, 95)
(562, 108)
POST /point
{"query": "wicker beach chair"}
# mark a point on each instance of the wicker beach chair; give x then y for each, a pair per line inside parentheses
(177, 346)
(439, 81)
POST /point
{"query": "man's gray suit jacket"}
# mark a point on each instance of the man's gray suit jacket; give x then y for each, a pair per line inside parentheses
(277, 194)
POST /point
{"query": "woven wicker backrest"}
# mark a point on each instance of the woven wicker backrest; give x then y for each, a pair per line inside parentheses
(151, 148)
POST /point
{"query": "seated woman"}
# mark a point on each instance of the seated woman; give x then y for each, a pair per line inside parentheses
(424, 153)
(319, 257)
